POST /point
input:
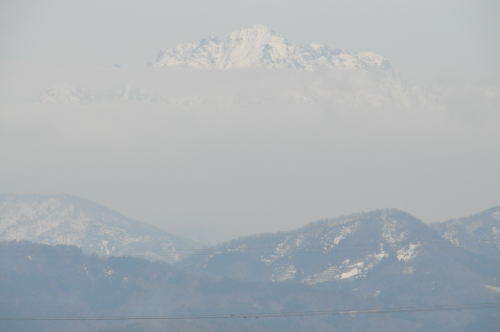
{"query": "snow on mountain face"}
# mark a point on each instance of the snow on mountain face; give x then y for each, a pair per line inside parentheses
(78, 95)
(345, 248)
(333, 90)
(479, 233)
(260, 47)
(63, 219)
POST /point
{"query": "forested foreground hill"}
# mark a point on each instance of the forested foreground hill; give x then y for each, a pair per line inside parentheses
(40, 281)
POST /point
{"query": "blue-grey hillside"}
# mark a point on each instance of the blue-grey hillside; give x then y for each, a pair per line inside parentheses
(69, 220)
(46, 281)
(386, 253)
(479, 233)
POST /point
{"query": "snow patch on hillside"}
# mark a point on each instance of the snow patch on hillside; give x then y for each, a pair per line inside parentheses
(348, 269)
(283, 248)
(495, 289)
(288, 273)
(408, 252)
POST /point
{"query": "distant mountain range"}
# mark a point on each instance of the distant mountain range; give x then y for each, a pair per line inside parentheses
(335, 91)
(382, 259)
(69, 220)
(345, 247)
(377, 245)
(65, 94)
(260, 47)
(250, 66)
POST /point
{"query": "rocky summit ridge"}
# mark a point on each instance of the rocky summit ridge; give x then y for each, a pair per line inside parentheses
(260, 47)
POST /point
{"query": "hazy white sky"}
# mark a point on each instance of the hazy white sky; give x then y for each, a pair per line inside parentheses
(446, 37)
(217, 171)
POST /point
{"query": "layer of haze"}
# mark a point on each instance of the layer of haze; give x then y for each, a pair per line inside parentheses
(213, 155)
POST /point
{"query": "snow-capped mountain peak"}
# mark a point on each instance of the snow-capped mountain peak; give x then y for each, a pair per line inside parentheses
(261, 47)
